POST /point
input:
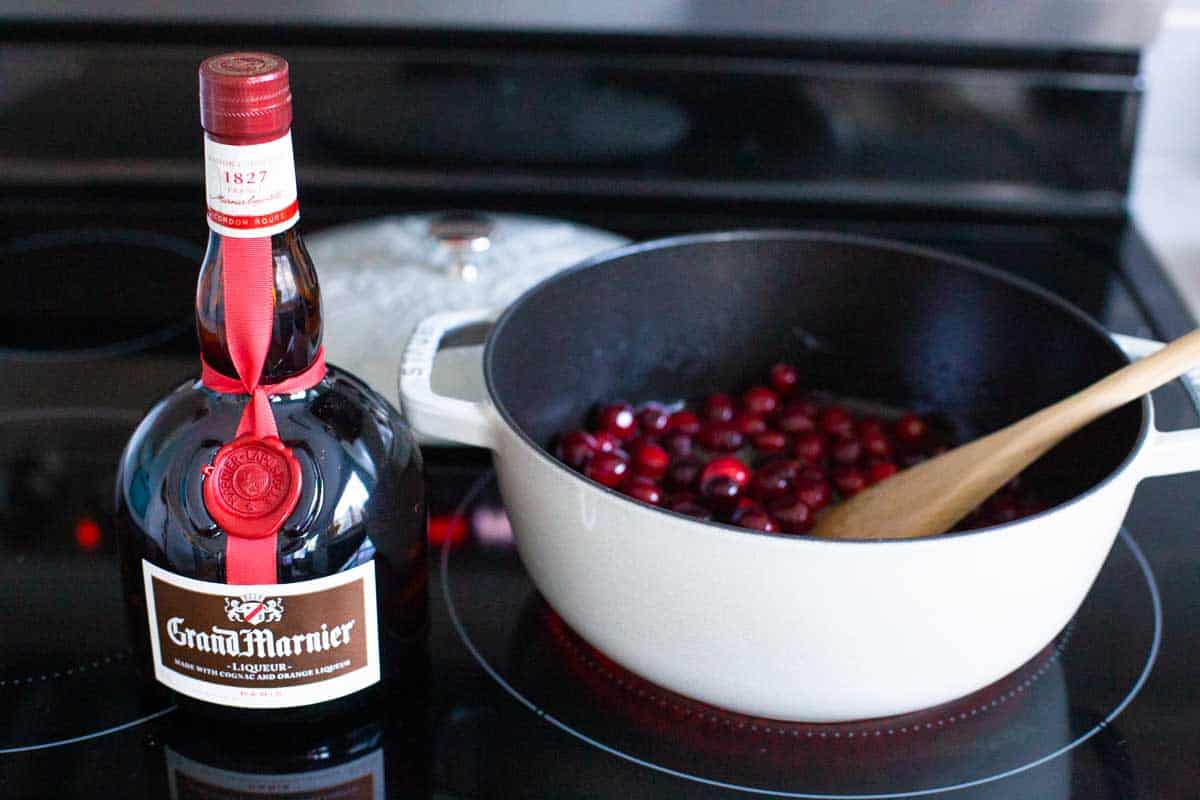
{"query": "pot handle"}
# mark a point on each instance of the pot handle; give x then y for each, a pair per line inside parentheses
(1168, 452)
(432, 414)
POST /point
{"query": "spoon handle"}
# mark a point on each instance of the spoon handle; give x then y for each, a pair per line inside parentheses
(932, 497)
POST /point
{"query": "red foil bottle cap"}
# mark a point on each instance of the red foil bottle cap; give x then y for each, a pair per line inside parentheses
(245, 96)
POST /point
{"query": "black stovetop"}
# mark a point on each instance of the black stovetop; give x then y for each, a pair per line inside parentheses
(514, 704)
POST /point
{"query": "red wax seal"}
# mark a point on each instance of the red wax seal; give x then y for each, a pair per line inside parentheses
(252, 486)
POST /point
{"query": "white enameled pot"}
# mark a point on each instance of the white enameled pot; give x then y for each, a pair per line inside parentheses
(787, 627)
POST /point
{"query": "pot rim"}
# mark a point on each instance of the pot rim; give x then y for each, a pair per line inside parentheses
(777, 234)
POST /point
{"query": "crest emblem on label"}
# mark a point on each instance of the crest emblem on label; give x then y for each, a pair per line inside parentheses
(254, 609)
(252, 486)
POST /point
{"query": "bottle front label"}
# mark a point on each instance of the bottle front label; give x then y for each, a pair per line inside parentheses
(251, 188)
(271, 646)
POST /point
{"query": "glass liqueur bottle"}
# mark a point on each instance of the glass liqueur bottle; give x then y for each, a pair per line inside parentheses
(270, 514)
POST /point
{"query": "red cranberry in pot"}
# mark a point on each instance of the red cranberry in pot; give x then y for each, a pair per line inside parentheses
(876, 444)
(910, 430)
(792, 515)
(849, 481)
(684, 474)
(617, 419)
(749, 424)
(770, 442)
(576, 449)
(880, 471)
(606, 442)
(795, 419)
(684, 422)
(773, 479)
(687, 504)
(679, 445)
(845, 450)
(653, 419)
(757, 520)
(836, 421)
(719, 407)
(721, 491)
(721, 436)
(806, 406)
(726, 467)
(870, 426)
(760, 400)
(784, 378)
(608, 469)
(814, 492)
(809, 447)
(650, 460)
(643, 489)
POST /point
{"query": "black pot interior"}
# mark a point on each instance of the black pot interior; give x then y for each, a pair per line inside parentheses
(907, 328)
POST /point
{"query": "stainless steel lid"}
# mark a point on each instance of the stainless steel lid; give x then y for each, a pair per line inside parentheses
(379, 278)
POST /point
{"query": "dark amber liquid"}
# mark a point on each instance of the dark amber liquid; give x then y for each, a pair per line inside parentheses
(296, 335)
(361, 482)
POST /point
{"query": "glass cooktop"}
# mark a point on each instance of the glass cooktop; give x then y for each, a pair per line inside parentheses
(516, 704)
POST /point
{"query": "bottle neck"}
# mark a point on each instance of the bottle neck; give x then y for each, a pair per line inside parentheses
(251, 193)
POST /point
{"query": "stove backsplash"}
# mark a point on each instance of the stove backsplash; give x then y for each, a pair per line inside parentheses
(1034, 132)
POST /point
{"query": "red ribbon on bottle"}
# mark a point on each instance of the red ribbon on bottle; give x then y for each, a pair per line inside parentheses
(253, 484)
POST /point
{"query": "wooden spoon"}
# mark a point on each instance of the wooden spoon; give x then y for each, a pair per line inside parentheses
(931, 497)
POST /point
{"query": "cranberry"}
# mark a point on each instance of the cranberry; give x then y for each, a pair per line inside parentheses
(684, 422)
(721, 436)
(743, 505)
(806, 406)
(845, 450)
(726, 467)
(643, 489)
(749, 424)
(870, 426)
(770, 442)
(617, 419)
(606, 442)
(722, 491)
(812, 472)
(719, 408)
(760, 400)
(881, 470)
(810, 447)
(792, 514)
(679, 445)
(813, 492)
(687, 504)
(795, 419)
(876, 444)
(849, 481)
(836, 421)
(653, 419)
(576, 448)
(650, 460)
(684, 474)
(1002, 508)
(757, 520)
(910, 430)
(607, 468)
(774, 479)
(784, 378)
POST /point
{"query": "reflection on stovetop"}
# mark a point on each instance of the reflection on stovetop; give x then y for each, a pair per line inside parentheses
(1023, 736)
(76, 718)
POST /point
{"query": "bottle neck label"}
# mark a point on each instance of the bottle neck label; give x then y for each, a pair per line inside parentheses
(267, 646)
(251, 188)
